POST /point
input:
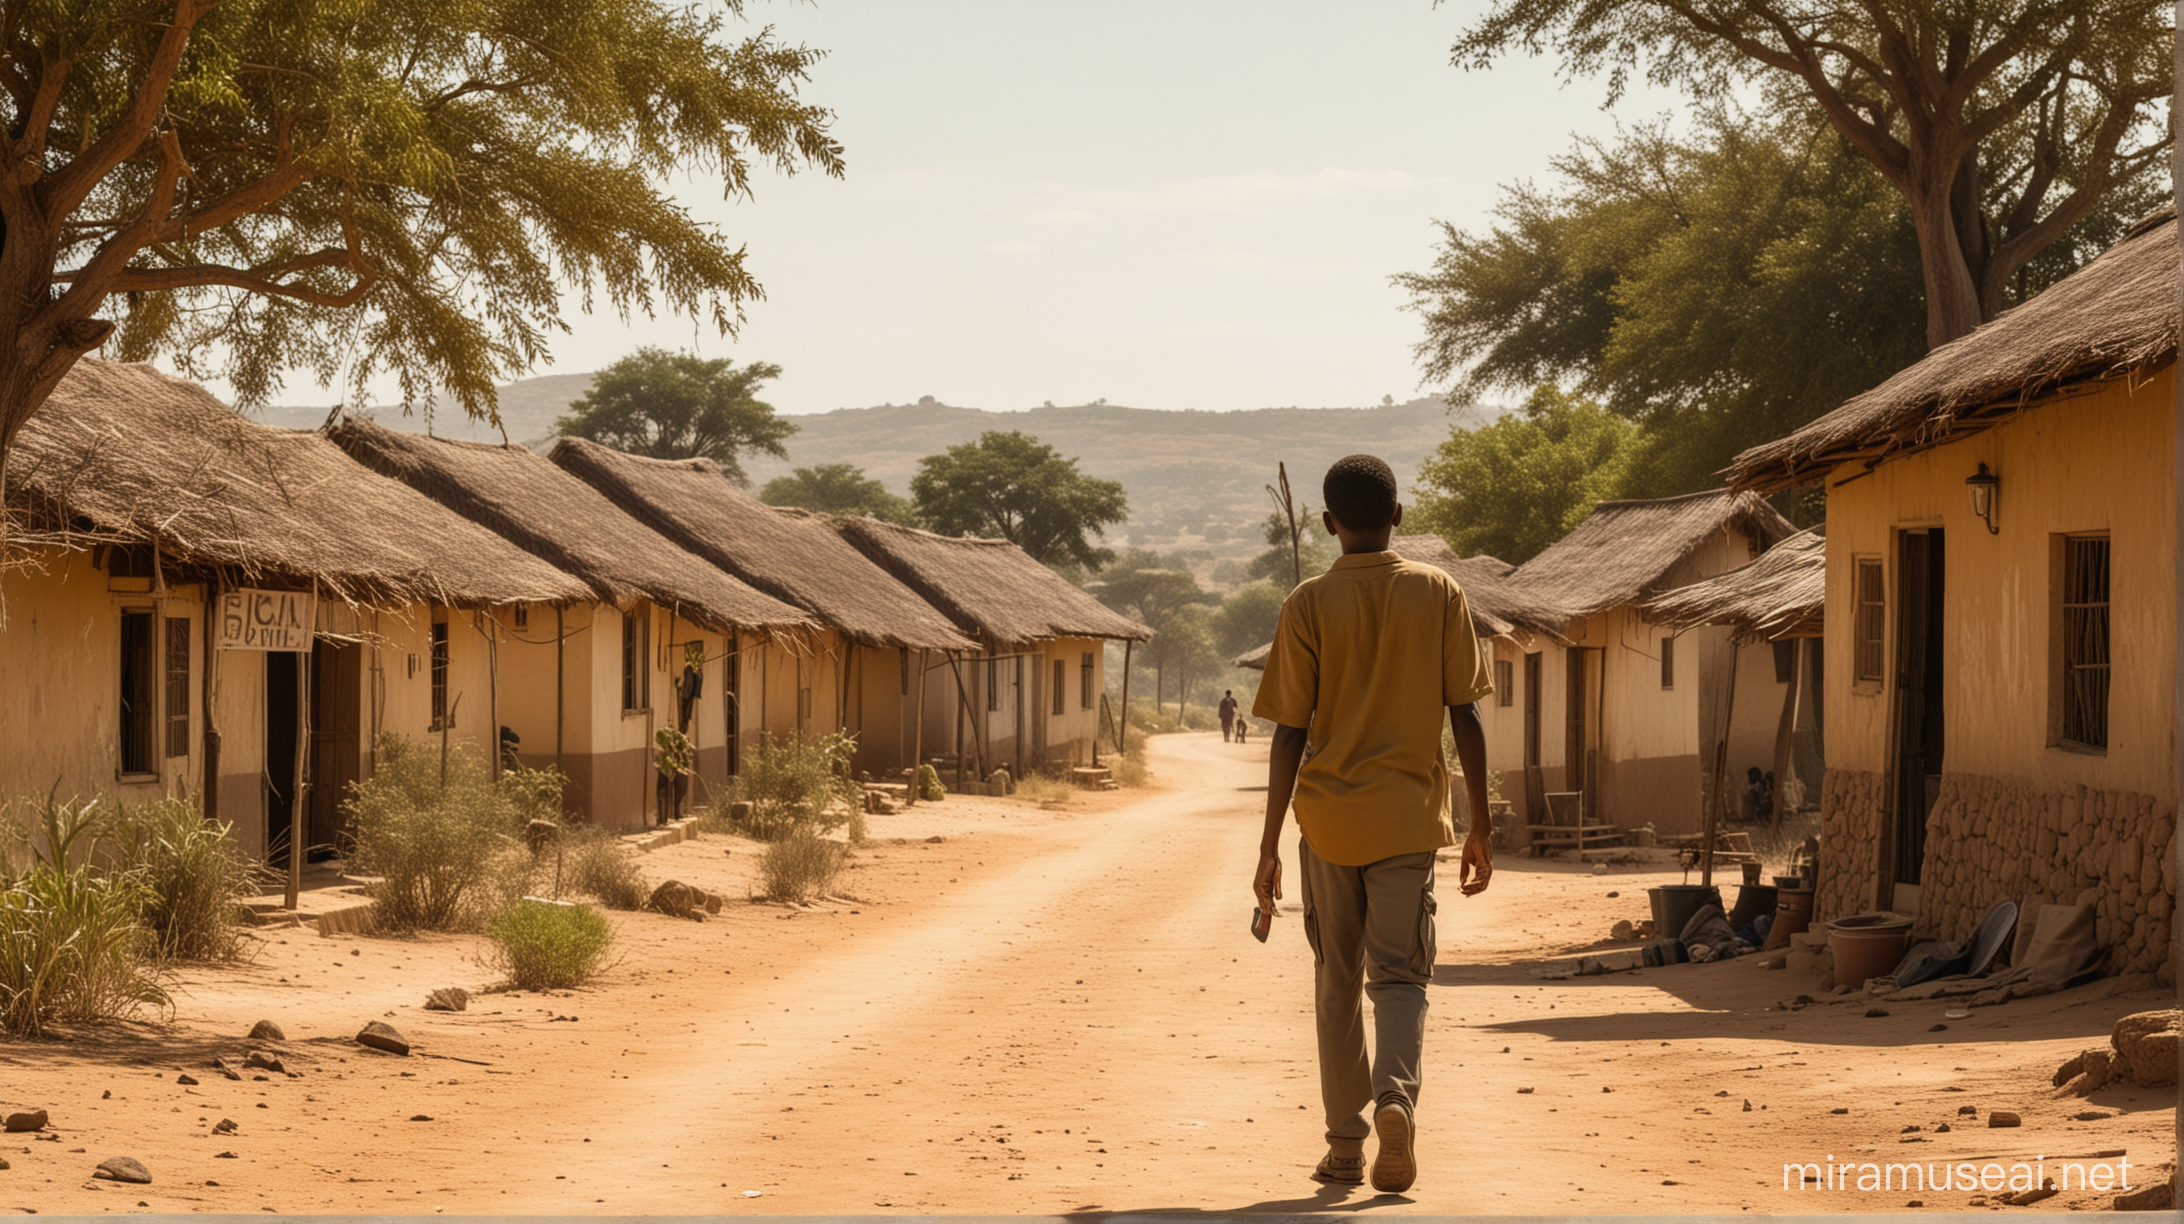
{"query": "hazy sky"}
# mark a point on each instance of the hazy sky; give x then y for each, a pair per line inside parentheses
(1181, 204)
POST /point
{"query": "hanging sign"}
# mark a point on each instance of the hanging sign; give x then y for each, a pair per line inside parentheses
(266, 620)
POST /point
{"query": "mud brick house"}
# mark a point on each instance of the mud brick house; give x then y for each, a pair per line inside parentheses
(1030, 696)
(146, 520)
(664, 639)
(1647, 711)
(2001, 613)
(1780, 599)
(878, 639)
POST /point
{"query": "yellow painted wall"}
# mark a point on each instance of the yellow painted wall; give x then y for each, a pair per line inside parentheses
(2101, 462)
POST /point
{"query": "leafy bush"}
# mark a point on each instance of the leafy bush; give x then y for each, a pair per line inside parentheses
(434, 829)
(596, 865)
(73, 945)
(797, 784)
(799, 866)
(545, 945)
(929, 787)
(195, 874)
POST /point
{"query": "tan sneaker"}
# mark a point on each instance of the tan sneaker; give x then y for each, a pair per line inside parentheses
(1394, 1166)
(1340, 1170)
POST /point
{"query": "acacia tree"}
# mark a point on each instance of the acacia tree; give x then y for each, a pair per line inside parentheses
(1012, 485)
(681, 406)
(2002, 122)
(403, 187)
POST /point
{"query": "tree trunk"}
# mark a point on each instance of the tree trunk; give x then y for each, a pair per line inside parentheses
(1952, 295)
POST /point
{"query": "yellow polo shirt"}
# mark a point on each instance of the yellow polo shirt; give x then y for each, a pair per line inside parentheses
(1370, 655)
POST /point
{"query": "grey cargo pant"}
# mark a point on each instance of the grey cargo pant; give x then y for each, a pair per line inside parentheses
(1371, 930)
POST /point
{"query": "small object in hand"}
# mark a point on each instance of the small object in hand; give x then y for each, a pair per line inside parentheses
(1262, 923)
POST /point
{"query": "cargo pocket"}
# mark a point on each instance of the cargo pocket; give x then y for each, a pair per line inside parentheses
(1423, 956)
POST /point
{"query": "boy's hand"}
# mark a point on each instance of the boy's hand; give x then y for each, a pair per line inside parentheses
(1267, 884)
(1476, 869)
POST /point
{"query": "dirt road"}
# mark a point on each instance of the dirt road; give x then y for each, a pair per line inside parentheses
(1042, 1010)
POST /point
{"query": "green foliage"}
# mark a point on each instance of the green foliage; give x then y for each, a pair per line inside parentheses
(838, 488)
(195, 876)
(929, 787)
(681, 406)
(73, 945)
(596, 865)
(542, 945)
(672, 753)
(2003, 123)
(797, 784)
(1314, 553)
(1512, 487)
(1247, 618)
(433, 831)
(1183, 652)
(799, 865)
(405, 187)
(1141, 586)
(1016, 487)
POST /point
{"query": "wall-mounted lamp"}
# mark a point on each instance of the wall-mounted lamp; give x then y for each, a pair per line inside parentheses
(1982, 485)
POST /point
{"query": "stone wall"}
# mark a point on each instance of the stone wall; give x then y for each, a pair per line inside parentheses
(1851, 805)
(1992, 838)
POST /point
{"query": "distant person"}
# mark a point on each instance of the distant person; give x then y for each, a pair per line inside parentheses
(1368, 658)
(1242, 725)
(1756, 801)
(1228, 714)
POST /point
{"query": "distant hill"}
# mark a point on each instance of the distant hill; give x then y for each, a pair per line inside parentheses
(1196, 480)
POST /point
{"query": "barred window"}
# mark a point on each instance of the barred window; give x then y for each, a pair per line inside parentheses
(1084, 679)
(439, 675)
(178, 686)
(2085, 641)
(1061, 688)
(1872, 622)
(1668, 662)
(1505, 682)
(993, 684)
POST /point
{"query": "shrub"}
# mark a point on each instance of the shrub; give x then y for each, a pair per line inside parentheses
(73, 946)
(799, 866)
(929, 787)
(195, 874)
(794, 784)
(1042, 789)
(547, 945)
(596, 865)
(434, 829)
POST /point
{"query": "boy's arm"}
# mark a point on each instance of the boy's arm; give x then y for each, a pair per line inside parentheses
(1477, 866)
(1286, 755)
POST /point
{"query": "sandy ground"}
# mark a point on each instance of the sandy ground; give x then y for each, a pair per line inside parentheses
(1047, 1010)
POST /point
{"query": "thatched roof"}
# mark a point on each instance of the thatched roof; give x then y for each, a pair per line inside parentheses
(1781, 595)
(549, 513)
(1254, 658)
(791, 555)
(1499, 607)
(989, 588)
(1626, 550)
(2117, 317)
(123, 454)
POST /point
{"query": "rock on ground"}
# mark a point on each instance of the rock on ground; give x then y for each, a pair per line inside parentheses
(678, 900)
(381, 1036)
(2142, 1051)
(124, 1169)
(448, 998)
(264, 1062)
(18, 1120)
(266, 1030)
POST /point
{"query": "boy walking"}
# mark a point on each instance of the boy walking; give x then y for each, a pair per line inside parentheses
(1228, 714)
(1367, 658)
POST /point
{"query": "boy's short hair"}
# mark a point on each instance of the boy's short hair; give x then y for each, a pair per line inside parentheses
(1360, 492)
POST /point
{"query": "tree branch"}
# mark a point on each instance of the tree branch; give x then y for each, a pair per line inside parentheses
(67, 188)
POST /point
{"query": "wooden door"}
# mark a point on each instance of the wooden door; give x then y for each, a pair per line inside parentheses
(1920, 609)
(337, 705)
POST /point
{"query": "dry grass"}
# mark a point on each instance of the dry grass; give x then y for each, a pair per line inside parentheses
(799, 866)
(1038, 788)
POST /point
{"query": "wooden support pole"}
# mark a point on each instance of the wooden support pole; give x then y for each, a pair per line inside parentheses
(1786, 731)
(209, 773)
(1721, 772)
(1122, 725)
(917, 733)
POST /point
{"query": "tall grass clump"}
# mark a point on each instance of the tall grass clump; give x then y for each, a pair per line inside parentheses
(797, 784)
(439, 834)
(1039, 788)
(596, 865)
(73, 944)
(545, 945)
(195, 875)
(799, 866)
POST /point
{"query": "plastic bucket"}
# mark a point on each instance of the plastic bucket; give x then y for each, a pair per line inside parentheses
(1867, 946)
(1673, 905)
